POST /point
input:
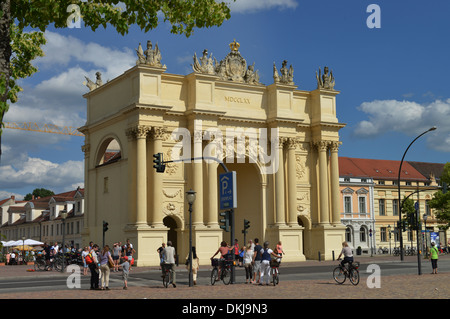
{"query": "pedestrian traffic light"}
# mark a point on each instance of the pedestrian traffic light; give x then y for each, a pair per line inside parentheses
(225, 221)
(105, 226)
(246, 224)
(159, 165)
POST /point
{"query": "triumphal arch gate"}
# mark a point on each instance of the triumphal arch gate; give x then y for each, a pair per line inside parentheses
(281, 141)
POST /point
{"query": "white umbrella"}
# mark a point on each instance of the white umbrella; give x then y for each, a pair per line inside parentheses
(31, 242)
(9, 243)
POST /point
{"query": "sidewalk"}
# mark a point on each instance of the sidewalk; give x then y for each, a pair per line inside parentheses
(426, 286)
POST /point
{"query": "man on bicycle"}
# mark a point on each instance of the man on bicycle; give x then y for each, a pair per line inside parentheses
(348, 254)
(169, 261)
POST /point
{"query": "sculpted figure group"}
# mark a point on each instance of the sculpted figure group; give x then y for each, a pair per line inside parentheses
(232, 68)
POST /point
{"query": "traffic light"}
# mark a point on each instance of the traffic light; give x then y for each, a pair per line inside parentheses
(160, 167)
(105, 226)
(444, 188)
(225, 222)
(246, 224)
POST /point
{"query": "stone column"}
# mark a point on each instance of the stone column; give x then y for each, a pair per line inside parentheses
(279, 186)
(157, 213)
(86, 148)
(335, 200)
(292, 183)
(141, 174)
(213, 212)
(131, 134)
(323, 180)
(197, 176)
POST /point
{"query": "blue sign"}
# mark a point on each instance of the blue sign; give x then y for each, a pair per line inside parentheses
(416, 206)
(227, 190)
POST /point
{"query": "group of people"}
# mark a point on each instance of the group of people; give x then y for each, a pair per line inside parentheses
(255, 258)
(101, 261)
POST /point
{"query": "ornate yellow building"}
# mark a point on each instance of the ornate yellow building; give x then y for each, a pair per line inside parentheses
(282, 142)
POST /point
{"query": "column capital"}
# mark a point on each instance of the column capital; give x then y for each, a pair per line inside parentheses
(321, 145)
(292, 142)
(158, 133)
(334, 146)
(138, 131)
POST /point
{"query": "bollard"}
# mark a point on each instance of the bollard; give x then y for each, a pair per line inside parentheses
(332, 253)
(319, 255)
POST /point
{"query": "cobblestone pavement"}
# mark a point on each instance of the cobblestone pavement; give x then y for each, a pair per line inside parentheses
(425, 286)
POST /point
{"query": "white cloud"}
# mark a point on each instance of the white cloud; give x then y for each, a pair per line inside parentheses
(248, 6)
(410, 118)
(36, 172)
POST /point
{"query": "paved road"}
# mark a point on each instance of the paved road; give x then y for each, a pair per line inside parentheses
(307, 280)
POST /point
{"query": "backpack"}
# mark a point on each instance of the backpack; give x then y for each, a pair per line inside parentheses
(89, 259)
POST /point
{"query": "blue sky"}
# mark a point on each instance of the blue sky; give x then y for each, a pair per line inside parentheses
(393, 80)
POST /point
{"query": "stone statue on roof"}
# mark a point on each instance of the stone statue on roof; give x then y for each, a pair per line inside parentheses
(205, 64)
(325, 81)
(287, 75)
(93, 85)
(150, 56)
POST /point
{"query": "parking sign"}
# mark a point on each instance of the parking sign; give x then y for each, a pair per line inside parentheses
(227, 189)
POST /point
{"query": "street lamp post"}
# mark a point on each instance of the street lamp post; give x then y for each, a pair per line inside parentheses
(399, 196)
(425, 235)
(23, 250)
(389, 231)
(190, 196)
(63, 218)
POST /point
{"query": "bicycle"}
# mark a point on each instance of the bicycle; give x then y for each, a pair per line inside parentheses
(340, 274)
(167, 276)
(225, 274)
(274, 265)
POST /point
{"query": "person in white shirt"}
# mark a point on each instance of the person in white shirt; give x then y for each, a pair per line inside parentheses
(348, 254)
(169, 261)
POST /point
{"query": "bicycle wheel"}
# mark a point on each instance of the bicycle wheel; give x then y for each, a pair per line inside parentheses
(57, 264)
(354, 276)
(214, 275)
(275, 277)
(39, 264)
(226, 276)
(339, 275)
(166, 279)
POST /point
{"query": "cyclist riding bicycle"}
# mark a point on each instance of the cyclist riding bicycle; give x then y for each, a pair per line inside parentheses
(348, 254)
(224, 250)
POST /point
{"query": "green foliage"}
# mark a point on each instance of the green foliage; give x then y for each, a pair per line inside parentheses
(20, 48)
(39, 192)
(441, 202)
(407, 211)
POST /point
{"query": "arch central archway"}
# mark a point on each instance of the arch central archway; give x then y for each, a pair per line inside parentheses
(249, 201)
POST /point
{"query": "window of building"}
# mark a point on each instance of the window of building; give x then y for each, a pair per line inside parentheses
(395, 207)
(382, 207)
(348, 235)
(381, 183)
(427, 207)
(383, 234)
(347, 204)
(362, 234)
(362, 204)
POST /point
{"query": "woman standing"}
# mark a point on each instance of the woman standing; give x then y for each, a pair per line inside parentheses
(248, 258)
(83, 257)
(195, 264)
(116, 256)
(434, 257)
(104, 258)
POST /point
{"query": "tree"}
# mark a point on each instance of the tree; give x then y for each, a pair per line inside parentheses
(441, 200)
(408, 210)
(19, 48)
(39, 192)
